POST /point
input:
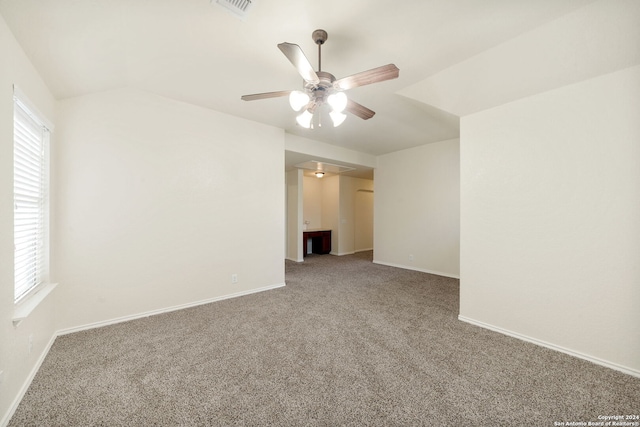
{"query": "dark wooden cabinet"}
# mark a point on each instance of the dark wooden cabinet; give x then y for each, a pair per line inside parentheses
(321, 241)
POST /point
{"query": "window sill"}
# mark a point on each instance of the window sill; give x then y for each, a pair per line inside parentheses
(23, 309)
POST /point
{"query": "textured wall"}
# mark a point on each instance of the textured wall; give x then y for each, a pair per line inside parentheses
(550, 195)
(417, 208)
(15, 359)
(160, 202)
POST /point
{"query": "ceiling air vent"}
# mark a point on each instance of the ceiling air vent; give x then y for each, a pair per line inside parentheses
(239, 8)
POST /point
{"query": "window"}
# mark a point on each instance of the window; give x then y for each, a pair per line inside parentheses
(30, 197)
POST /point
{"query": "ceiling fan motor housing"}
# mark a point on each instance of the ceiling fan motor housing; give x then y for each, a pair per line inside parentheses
(320, 91)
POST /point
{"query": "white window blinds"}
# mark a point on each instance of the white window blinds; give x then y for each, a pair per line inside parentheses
(30, 181)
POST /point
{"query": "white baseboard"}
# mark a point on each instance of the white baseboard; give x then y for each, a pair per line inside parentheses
(422, 270)
(294, 260)
(164, 310)
(25, 386)
(363, 250)
(597, 361)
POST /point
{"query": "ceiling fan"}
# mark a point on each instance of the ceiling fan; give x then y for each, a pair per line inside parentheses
(322, 88)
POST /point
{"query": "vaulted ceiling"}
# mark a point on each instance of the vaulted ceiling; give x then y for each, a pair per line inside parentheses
(197, 52)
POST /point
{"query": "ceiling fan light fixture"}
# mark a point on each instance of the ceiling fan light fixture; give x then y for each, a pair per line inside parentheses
(337, 118)
(298, 99)
(304, 119)
(337, 101)
(319, 174)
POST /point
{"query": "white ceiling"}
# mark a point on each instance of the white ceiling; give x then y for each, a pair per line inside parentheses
(197, 52)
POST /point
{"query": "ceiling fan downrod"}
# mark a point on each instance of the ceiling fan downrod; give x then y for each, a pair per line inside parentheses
(319, 37)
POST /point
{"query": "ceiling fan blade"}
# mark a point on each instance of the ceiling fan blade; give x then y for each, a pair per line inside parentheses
(295, 55)
(379, 74)
(359, 110)
(256, 96)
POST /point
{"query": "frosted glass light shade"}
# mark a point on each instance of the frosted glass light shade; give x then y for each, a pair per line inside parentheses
(337, 118)
(298, 99)
(304, 119)
(338, 101)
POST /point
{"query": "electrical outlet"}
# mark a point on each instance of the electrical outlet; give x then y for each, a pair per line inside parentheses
(234, 278)
(410, 257)
(30, 343)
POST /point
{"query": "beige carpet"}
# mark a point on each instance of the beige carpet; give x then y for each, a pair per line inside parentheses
(346, 342)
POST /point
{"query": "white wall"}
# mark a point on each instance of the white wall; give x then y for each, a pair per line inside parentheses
(312, 203)
(417, 208)
(295, 197)
(550, 218)
(363, 220)
(160, 202)
(15, 361)
(331, 210)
